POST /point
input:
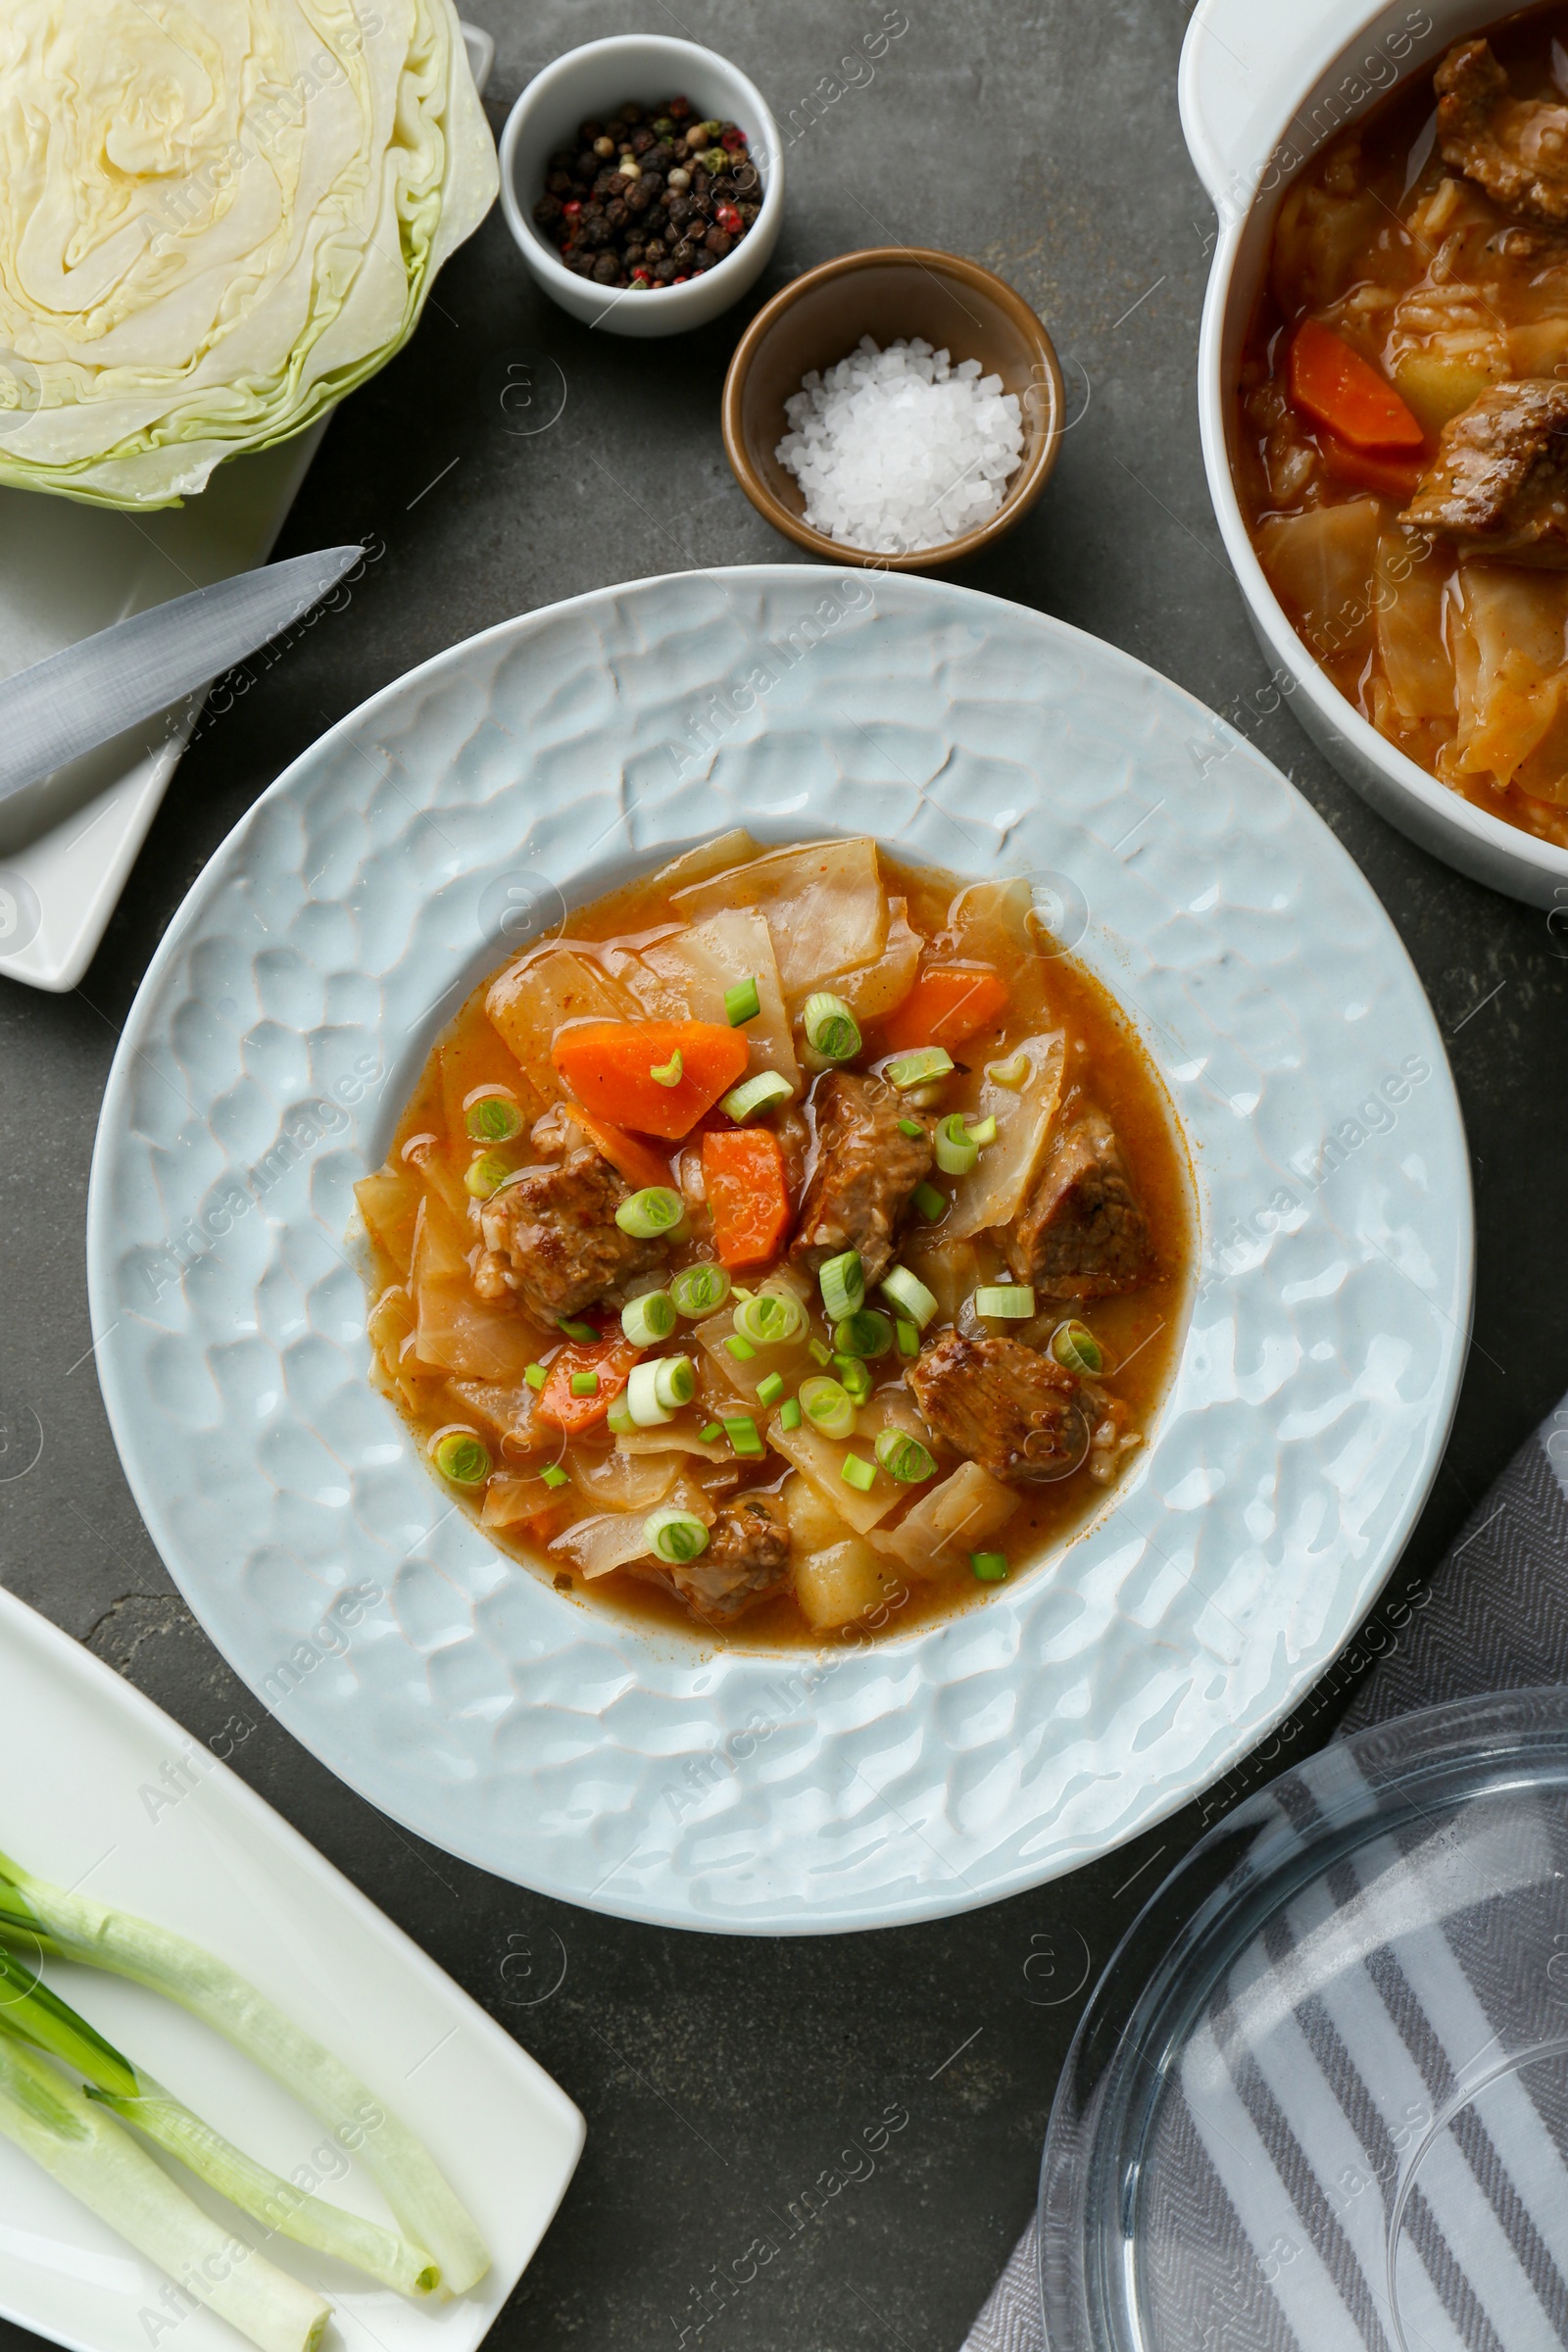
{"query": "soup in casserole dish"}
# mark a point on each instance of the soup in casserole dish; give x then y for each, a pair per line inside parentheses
(799, 1244)
(1403, 419)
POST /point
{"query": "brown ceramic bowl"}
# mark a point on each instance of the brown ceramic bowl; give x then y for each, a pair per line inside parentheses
(888, 292)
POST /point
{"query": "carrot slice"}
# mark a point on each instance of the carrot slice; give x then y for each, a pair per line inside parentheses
(747, 1193)
(610, 1360)
(640, 1165)
(610, 1067)
(1334, 386)
(947, 1004)
(1389, 476)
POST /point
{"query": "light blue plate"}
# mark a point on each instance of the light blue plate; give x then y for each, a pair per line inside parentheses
(289, 1007)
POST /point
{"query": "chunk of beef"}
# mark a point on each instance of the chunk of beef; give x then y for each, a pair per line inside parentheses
(1500, 482)
(1515, 148)
(866, 1169)
(552, 1240)
(746, 1560)
(1081, 1234)
(1009, 1409)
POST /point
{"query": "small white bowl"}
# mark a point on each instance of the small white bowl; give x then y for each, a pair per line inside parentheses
(593, 80)
(1263, 88)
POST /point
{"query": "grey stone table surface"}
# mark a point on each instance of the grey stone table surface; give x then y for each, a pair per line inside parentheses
(723, 2079)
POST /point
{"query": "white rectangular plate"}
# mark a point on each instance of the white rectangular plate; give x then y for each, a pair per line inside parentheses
(86, 1763)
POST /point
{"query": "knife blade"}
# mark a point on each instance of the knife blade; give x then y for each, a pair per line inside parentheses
(72, 700)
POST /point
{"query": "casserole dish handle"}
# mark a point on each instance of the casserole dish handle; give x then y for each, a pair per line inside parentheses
(1257, 94)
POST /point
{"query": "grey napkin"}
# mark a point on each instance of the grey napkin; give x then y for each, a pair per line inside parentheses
(1495, 1618)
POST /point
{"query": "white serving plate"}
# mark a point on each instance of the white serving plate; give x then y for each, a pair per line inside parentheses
(1263, 88)
(66, 570)
(107, 1792)
(551, 1740)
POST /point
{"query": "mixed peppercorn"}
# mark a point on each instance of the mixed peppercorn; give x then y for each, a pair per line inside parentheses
(649, 198)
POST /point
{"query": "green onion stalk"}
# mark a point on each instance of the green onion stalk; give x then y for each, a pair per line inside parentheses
(105, 2169)
(35, 1916)
(30, 2012)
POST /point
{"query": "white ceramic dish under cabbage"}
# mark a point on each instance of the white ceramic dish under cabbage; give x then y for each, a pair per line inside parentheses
(66, 569)
(551, 1740)
(1263, 88)
(110, 1792)
(593, 80)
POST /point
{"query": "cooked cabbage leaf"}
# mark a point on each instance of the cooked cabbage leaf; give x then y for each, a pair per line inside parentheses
(216, 219)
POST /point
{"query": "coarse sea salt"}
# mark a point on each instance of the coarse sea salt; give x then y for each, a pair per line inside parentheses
(898, 449)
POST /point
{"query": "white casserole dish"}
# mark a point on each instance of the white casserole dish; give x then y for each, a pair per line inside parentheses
(1263, 88)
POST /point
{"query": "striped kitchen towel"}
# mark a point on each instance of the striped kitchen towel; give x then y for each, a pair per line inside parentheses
(1287, 2259)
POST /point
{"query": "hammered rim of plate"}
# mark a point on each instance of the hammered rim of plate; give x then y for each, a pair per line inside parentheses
(289, 1007)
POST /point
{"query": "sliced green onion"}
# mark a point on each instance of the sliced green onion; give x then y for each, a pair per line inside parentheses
(911, 1128)
(460, 1456)
(859, 1472)
(770, 1320)
(1010, 1073)
(576, 1331)
(985, 1133)
(742, 1001)
(675, 1536)
(667, 1073)
(821, 1353)
(647, 1318)
(843, 1285)
(740, 1432)
(585, 1384)
(908, 1291)
(755, 1094)
(827, 1405)
(905, 1457)
(957, 1149)
(1076, 1348)
(918, 1068)
(643, 1400)
(789, 1413)
(619, 1415)
(831, 1029)
(495, 1121)
(710, 1431)
(536, 1376)
(930, 1202)
(908, 1338)
(651, 1213)
(699, 1290)
(990, 1567)
(771, 1389)
(854, 1377)
(1010, 1301)
(867, 1333)
(741, 1349)
(486, 1175)
(553, 1474)
(674, 1381)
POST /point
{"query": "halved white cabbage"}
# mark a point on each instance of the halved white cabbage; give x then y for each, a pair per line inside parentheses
(217, 217)
(699, 964)
(997, 1186)
(537, 995)
(950, 1522)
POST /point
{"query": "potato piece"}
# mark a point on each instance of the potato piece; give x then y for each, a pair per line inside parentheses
(815, 1525)
(1539, 349)
(836, 1587)
(1439, 386)
(1319, 564)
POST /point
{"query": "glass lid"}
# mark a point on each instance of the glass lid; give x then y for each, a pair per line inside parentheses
(1320, 2097)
